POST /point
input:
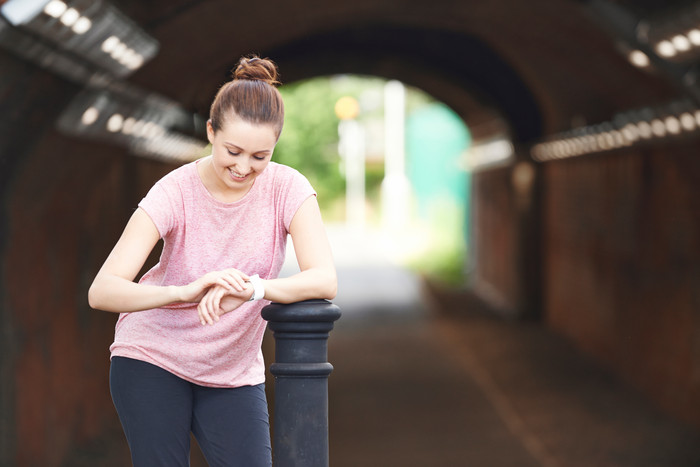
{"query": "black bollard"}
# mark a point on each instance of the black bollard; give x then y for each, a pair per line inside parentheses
(301, 372)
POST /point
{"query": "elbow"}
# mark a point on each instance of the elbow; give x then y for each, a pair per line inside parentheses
(330, 289)
(94, 297)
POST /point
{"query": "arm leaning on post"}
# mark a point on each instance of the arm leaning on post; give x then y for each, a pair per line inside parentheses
(114, 289)
(316, 279)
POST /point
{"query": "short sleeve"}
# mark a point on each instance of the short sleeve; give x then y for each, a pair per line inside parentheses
(297, 190)
(158, 204)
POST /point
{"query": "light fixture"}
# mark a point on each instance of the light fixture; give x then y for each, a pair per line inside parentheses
(148, 124)
(687, 121)
(644, 129)
(681, 43)
(115, 123)
(82, 25)
(95, 31)
(658, 128)
(491, 153)
(90, 116)
(673, 125)
(69, 17)
(694, 36)
(665, 49)
(55, 8)
(109, 44)
(674, 120)
(638, 59)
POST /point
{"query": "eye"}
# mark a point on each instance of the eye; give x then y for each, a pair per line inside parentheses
(232, 153)
(259, 158)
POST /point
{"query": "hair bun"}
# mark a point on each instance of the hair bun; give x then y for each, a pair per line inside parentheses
(254, 68)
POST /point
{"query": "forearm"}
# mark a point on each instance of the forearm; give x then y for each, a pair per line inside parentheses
(313, 283)
(119, 295)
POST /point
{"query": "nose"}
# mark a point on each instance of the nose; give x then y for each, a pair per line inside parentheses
(241, 166)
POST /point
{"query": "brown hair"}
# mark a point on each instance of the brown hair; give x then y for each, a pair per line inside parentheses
(251, 95)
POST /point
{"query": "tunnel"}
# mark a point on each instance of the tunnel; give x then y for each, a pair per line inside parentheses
(589, 233)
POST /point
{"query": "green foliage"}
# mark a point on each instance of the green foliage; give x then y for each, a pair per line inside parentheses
(309, 140)
(444, 257)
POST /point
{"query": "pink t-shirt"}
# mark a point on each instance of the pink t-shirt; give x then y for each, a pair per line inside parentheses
(202, 234)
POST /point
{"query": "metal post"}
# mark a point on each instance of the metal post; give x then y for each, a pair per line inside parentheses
(301, 374)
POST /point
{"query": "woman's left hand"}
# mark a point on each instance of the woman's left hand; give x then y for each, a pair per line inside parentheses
(219, 300)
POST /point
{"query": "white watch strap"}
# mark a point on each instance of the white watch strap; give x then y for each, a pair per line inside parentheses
(258, 288)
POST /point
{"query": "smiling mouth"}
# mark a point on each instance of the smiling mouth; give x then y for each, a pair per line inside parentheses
(236, 174)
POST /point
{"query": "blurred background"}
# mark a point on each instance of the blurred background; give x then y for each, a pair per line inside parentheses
(512, 191)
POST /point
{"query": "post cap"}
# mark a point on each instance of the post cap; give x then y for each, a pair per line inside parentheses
(305, 311)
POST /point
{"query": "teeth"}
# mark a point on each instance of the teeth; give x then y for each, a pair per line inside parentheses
(236, 174)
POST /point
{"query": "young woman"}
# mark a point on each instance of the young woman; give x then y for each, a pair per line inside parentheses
(186, 355)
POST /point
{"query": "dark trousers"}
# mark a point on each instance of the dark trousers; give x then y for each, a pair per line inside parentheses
(158, 410)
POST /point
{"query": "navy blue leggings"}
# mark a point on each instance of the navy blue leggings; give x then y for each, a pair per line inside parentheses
(158, 410)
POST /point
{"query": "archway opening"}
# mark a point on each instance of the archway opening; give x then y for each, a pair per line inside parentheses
(392, 168)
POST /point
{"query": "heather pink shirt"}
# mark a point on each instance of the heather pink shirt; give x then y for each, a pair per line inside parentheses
(202, 234)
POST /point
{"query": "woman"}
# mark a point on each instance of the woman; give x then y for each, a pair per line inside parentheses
(186, 355)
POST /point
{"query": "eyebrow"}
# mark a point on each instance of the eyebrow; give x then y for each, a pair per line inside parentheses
(235, 146)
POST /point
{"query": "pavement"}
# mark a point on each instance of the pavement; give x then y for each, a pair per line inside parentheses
(426, 377)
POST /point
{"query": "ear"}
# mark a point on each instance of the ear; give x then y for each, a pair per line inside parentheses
(210, 132)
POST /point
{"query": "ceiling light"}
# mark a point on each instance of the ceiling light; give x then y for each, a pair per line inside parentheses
(82, 26)
(135, 62)
(127, 57)
(665, 49)
(137, 129)
(687, 121)
(118, 51)
(109, 44)
(70, 16)
(90, 116)
(639, 59)
(115, 123)
(128, 126)
(694, 36)
(658, 128)
(55, 8)
(630, 132)
(681, 43)
(644, 129)
(673, 126)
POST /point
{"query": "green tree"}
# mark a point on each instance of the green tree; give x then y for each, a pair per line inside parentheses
(309, 140)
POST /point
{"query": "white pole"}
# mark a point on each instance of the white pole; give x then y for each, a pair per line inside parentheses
(396, 188)
(352, 149)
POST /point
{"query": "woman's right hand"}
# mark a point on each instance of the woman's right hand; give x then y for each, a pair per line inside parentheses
(230, 279)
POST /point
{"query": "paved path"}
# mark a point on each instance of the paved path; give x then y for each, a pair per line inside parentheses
(437, 381)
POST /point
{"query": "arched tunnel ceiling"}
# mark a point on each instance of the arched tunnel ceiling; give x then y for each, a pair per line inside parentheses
(538, 63)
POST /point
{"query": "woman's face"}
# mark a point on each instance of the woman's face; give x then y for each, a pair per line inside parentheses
(240, 152)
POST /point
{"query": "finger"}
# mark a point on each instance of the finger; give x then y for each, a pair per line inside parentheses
(234, 283)
(210, 307)
(216, 303)
(205, 312)
(204, 305)
(201, 314)
(225, 283)
(240, 274)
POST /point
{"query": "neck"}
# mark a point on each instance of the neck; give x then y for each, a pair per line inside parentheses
(215, 186)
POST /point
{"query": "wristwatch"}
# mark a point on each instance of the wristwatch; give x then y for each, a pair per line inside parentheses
(258, 288)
